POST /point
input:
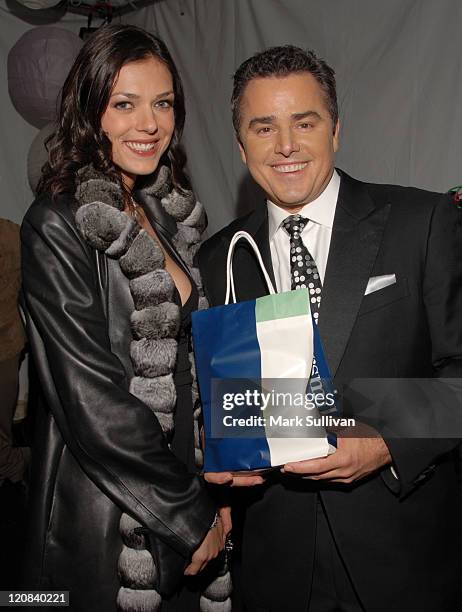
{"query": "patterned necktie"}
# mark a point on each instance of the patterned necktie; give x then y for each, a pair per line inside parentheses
(303, 270)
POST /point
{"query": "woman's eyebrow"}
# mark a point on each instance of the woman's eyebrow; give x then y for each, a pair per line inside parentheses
(133, 96)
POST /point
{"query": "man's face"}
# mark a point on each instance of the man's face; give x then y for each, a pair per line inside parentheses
(287, 138)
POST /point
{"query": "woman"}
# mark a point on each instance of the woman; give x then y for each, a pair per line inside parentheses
(108, 286)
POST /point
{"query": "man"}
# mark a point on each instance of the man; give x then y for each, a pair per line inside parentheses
(375, 526)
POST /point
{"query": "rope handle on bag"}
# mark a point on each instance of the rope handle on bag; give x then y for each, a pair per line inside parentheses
(229, 265)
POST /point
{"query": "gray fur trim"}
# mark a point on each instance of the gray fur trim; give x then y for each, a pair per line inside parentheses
(153, 358)
(198, 457)
(130, 538)
(186, 242)
(195, 397)
(101, 224)
(136, 568)
(179, 205)
(124, 241)
(196, 277)
(197, 218)
(94, 187)
(195, 388)
(166, 422)
(189, 236)
(197, 412)
(214, 606)
(220, 589)
(152, 288)
(162, 184)
(162, 321)
(198, 454)
(130, 600)
(196, 434)
(158, 393)
(143, 256)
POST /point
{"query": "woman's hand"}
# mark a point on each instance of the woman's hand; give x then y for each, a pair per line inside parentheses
(225, 516)
(243, 479)
(211, 546)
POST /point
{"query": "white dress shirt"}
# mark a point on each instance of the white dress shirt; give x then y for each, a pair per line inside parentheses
(316, 234)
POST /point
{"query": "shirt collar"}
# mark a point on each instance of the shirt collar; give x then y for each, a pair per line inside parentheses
(321, 210)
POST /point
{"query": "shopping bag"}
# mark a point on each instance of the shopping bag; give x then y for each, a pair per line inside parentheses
(250, 356)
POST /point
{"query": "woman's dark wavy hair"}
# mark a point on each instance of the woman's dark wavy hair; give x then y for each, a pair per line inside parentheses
(79, 139)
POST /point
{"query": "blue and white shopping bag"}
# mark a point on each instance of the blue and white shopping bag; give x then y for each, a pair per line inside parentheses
(250, 356)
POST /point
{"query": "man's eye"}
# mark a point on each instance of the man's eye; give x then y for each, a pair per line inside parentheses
(305, 125)
(264, 130)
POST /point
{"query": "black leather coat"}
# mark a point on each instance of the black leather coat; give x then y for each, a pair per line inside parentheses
(98, 449)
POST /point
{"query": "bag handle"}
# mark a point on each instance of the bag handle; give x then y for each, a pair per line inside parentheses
(229, 265)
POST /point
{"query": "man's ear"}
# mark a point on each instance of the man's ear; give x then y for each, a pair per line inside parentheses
(242, 151)
(336, 139)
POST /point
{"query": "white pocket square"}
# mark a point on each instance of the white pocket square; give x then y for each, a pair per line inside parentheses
(379, 282)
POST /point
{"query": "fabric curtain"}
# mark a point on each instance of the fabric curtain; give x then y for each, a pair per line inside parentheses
(398, 71)
(399, 80)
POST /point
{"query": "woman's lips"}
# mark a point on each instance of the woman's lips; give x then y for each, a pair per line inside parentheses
(142, 149)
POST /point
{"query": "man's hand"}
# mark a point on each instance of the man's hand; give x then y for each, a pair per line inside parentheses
(212, 544)
(249, 479)
(354, 458)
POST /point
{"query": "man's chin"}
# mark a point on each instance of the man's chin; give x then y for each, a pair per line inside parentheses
(290, 205)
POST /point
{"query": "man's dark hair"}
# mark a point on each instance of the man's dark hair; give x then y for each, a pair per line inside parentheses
(280, 62)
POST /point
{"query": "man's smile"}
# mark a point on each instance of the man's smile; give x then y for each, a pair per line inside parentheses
(289, 167)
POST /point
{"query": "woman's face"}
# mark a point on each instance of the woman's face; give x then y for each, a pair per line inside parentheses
(139, 118)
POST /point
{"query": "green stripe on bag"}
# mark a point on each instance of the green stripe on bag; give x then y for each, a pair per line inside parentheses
(282, 305)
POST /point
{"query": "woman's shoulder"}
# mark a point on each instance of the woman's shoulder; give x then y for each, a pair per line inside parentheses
(46, 208)
(52, 220)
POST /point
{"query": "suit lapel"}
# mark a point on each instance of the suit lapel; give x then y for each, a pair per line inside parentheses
(356, 237)
(257, 226)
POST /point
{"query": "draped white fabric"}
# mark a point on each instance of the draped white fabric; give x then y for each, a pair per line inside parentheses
(399, 81)
(16, 134)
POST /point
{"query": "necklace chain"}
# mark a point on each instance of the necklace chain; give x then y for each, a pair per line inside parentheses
(135, 210)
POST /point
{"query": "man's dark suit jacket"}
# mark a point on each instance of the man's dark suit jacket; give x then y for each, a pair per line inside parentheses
(400, 539)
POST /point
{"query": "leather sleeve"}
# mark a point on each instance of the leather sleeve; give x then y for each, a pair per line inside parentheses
(211, 261)
(116, 439)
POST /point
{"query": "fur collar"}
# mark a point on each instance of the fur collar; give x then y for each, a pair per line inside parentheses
(155, 323)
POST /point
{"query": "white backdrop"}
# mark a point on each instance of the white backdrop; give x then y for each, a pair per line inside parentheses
(399, 79)
(16, 133)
